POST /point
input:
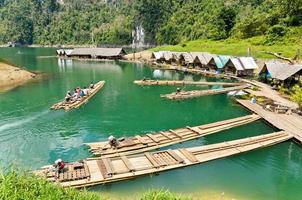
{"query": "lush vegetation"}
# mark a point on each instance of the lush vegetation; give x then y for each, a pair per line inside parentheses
(164, 22)
(296, 95)
(25, 186)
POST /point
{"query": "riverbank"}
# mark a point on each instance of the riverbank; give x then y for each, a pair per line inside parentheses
(12, 76)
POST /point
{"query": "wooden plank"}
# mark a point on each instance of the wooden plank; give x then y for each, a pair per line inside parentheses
(108, 166)
(175, 156)
(194, 130)
(151, 158)
(165, 134)
(153, 137)
(142, 140)
(128, 164)
(188, 155)
(174, 133)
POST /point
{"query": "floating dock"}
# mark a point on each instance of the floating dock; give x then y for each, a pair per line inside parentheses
(153, 141)
(289, 123)
(97, 171)
(198, 93)
(68, 106)
(181, 83)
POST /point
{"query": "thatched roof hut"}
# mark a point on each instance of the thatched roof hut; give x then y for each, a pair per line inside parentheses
(201, 59)
(185, 58)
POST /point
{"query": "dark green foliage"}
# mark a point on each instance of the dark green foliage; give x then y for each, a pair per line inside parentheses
(164, 21)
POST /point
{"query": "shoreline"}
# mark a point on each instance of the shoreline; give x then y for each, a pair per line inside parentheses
(13, 76)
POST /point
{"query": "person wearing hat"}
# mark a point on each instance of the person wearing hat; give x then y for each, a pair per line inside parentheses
(60, 165)
(178, 90)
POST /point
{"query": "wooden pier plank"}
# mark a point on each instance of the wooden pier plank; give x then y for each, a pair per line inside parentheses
(127, 163)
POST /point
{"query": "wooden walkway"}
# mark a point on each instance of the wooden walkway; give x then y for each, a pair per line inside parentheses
(95, 171)
(198, 93)
(153, 141)
(181, 83)
(289, 123)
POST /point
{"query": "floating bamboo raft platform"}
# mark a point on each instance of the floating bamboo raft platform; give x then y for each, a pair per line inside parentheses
(180, 83)
(289, 123)
(138, 144)
(95, 171)
(198, 93)
(76, 104)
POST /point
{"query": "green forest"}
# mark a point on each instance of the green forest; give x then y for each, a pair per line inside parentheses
(53, 22)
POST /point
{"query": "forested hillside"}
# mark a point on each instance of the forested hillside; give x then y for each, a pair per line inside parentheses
(164, 21)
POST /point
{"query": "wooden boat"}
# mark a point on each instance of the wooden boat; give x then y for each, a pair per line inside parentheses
(95, 171)
(180, 83)
(138, 144)
(76, 104)
(198, 93)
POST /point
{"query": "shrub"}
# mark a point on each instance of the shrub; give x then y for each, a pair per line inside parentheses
(161, 195)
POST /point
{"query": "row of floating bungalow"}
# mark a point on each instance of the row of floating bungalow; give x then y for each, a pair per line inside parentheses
(92, 53)
(239, 66)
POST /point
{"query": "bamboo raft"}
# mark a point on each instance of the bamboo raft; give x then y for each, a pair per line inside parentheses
(198, 93)
(95, 171)
(76, 104)
(138, 144)
(180, 83)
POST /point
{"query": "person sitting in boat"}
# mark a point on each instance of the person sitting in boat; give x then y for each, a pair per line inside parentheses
(91, 85)
(86, 91)
(68, 97)
(178, 90)
(60, 165)
(113, 141)
(75, 95)
(82, 94)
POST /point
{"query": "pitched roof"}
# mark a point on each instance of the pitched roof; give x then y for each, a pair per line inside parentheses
(237, 64)
(220, 60)
(176, 55)
(281, 71)
(168, 55)
(106, 52)
(248, 63)
(203, 57)
(158, 55)
(187, 57)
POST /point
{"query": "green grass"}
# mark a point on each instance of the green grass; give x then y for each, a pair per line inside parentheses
(286, 45)
(162, 195)
(15, 185)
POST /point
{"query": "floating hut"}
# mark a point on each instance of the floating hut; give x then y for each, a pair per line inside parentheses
(168, 57)
(281, 72)
(98, 53)
(186, 59)
(218, 62)
(202, 59)
(240, 66)
(158, 56)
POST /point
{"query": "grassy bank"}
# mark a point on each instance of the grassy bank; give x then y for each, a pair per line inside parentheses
(286, 45)
(14, 185)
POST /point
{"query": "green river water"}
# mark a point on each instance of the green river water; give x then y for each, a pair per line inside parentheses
(31, 135)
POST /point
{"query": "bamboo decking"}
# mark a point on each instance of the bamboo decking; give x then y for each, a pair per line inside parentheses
(95, 171)
(153, 141)
(289, 123)
(68, 106)
(198, 93)
(180, 83)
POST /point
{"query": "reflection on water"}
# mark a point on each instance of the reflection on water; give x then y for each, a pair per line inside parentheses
(32, 136)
